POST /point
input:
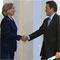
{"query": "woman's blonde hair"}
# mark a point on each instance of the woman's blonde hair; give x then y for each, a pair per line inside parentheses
(6, 7)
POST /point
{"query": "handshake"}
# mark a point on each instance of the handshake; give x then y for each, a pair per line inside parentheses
(24, 38)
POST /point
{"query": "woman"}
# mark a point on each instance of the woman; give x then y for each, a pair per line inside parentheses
(9, 35)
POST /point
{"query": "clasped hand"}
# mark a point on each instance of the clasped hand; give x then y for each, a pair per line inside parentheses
(24, 38)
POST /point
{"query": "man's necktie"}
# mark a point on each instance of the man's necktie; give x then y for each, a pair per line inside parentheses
(49, 20)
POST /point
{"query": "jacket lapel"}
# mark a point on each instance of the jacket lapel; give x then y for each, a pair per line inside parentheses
(12, 23)
(52, 22)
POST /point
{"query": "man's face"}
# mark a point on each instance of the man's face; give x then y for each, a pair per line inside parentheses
(48, 10)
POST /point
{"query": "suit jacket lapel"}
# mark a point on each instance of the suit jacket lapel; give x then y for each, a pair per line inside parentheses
(51, 21)
(12, 23)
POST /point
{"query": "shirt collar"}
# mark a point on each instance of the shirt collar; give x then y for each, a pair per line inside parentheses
(52, 16)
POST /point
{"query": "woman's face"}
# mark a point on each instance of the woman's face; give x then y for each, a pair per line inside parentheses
(11, 11)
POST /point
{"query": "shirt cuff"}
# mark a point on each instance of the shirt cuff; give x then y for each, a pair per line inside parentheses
(28, 38)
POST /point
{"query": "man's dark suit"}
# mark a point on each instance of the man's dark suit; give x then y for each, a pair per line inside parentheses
(9, 38)
(51, 37)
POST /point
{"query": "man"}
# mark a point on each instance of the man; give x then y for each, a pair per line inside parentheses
(50, 31)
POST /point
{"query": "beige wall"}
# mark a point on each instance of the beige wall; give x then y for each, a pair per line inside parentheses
(24, 17)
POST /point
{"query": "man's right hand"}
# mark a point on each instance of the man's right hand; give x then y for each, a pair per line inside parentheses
(24, 38)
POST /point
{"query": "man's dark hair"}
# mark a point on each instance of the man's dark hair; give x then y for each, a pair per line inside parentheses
(52, 4)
